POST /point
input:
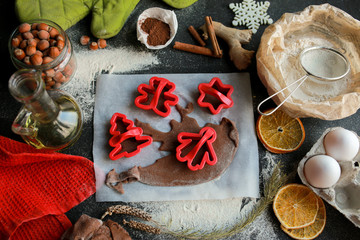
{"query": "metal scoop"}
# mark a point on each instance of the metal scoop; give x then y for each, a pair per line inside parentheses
(322, 63)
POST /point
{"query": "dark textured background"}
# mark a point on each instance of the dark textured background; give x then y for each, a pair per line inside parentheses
(337, 227)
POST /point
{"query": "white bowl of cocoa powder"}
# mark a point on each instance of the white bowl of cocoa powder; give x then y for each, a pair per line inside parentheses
(156, 27)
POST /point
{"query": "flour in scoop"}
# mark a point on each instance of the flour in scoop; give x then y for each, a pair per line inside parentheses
(327, 70)
(324, 63)
(320, 64)
(110, 60)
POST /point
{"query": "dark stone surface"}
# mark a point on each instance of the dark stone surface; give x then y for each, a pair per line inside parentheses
(337, 227)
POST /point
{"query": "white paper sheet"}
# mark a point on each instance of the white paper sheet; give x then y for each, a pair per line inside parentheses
(116, 93)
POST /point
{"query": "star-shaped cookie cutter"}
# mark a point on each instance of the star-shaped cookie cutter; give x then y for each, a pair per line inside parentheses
(158, 88)
(222, 92)
(205, 138)
(128, 131)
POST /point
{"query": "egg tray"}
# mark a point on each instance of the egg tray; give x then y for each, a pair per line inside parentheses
(345, 194)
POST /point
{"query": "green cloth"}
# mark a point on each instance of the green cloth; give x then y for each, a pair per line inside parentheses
(179, 3)
(108, 16)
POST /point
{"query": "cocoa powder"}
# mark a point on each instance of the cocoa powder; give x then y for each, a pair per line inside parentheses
(159, 31)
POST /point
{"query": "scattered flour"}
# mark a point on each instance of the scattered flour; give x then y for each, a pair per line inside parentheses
(263, 228)
(211, 215)
(203, 215)
(268, 165)
(110, 60)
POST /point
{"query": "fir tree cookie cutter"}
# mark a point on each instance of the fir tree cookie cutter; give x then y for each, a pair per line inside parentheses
(251, 14)
(222, 93)
(121, 130)
(162, 97)
(204, 138)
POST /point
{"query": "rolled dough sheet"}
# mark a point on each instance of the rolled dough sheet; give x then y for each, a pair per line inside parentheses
(116, 93)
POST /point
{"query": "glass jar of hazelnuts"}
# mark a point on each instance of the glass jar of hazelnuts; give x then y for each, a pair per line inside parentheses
(43, 45)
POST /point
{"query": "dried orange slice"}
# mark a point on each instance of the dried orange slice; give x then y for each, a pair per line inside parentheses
(280, 133)
(295, 206)
(312, 231)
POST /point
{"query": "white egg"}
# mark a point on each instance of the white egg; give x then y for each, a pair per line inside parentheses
(341, 144)
(322, 171)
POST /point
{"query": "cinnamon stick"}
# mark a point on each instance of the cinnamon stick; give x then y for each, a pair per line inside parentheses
(196, 35)
(195, 49)
(211, 32)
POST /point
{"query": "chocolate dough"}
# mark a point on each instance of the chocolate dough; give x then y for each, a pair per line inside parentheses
(168, 171)
(87, 227)
(117, 231)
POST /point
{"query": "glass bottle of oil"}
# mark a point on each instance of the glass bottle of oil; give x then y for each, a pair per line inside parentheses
(49, 119)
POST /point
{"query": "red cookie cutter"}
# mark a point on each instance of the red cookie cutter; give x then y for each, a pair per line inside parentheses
(222, 92)
(206, 137)
(128, 131)
(158, 88)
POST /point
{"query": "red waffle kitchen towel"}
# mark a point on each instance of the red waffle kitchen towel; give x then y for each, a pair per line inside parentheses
(37, 187)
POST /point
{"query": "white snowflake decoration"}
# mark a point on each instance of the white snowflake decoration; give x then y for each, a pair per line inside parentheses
(251, 14)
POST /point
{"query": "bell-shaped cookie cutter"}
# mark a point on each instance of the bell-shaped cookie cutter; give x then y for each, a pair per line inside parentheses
(129, 131)
(205, 138)
(158, 88)
(222, 92)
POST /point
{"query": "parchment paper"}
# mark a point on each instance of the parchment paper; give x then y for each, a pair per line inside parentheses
(116, 93)
(278, 61)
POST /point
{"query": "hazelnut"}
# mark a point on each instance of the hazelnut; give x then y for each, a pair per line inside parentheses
(35, 32)
(43, 26)
(30, 50)
(60, 37)
(26, 60)
(46, 52)
(60, 44)
(15, 42)
(50, 83)
(23, 44)
(47, 59)
(27, 35)
(36, 59)
(42, 34)
(84, 40)
(32, 42)
(102, 43)
(24, 27)
(68, 70)
(43, 44)
(19, 37)
(52, 42)
(50, 72)
(53, 32)
(34, 26)
(54, 52)
(93, 46)
(59, 77)
(38, 52)
(19, 53)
